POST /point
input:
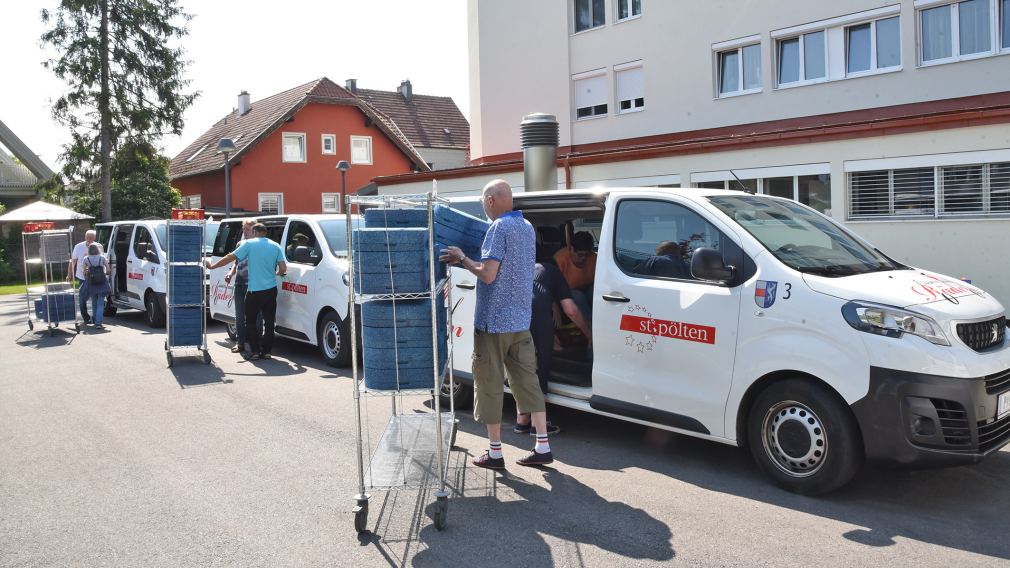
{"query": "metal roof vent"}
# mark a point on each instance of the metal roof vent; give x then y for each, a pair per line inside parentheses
(538, 135)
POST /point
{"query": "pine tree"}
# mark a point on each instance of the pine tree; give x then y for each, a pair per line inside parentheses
(126, 81)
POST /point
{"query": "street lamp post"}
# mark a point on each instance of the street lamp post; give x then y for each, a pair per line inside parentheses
(226, 146)
(343, 166)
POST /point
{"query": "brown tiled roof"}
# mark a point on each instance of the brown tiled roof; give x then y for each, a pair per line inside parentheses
(266, 115)
(424, 120)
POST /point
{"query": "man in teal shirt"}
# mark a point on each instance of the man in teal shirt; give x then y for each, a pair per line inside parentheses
(265, 259)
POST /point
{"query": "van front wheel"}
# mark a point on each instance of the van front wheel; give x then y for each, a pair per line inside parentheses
(334, 340)
(804, 437)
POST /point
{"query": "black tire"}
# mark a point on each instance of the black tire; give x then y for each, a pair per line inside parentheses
(334, 340)
(463, 394)
(153, 313)
(804, 437)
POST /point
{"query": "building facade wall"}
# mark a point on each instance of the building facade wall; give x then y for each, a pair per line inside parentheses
(529, 67)
(302, 184)
(442, 158)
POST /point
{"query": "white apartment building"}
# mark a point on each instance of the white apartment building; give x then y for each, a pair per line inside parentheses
(892, 117)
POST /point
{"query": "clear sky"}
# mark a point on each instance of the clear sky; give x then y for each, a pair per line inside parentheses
(260, 46)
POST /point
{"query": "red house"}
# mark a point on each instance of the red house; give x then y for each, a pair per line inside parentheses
(288, 146)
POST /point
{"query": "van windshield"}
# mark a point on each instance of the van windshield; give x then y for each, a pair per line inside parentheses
(335, 231)
(801, 238)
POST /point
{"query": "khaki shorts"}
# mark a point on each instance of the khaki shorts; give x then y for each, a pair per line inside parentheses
(493, 354)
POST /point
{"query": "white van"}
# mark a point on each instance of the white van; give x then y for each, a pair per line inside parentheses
(763, 323)
(137, 258)
(312, 298)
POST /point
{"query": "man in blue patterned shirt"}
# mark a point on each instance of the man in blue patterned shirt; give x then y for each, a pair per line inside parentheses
(502, 325)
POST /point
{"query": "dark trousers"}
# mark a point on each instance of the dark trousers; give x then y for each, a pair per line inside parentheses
(260, 303)
(83, 297)
(542, 330)
(240, 326)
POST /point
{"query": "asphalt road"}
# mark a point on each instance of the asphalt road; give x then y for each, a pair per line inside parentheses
(108, 458)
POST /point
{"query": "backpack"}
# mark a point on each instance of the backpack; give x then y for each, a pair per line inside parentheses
(96, 274)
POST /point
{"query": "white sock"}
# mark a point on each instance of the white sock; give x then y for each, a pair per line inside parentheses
(495, 451)
(542, 446)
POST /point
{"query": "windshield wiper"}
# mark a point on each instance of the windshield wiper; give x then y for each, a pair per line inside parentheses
(829, 270)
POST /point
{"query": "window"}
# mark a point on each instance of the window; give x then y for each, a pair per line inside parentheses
(590, 95)
(271, 203)
(802, 58)
(143, 242)
(361, 149)
(329, 144)
(952, 190)
(630, 88)
(740, 70)
(657, 239)
(628, 9)
(228, 236)
(331, 203)
(956, 30)
(589, 14)
(1004, 25)
(293, 147)
(192, 202)
(811, 189)
(873, 45)
(301, 245)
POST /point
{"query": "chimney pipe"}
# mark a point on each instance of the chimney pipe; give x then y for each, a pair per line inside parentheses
(243, 103)
(405, 90)
(351, 85)
(538, 135)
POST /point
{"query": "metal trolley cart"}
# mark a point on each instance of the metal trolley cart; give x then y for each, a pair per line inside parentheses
(394, 282)
(55, 301)
(186, 323)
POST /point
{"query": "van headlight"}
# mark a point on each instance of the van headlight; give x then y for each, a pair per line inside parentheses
(892, 322)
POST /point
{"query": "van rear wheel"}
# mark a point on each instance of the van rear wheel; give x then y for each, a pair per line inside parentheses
(804, 437)
(334, 340)
(153, 313)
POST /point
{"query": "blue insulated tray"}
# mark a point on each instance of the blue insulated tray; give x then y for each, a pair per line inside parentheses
(383, 240)
(450, 226)
(401, 272)
(54, 308)
(410, 333)
(185, 326)
(409, 313)
(184, 243)
(185, 285)
(412, 364)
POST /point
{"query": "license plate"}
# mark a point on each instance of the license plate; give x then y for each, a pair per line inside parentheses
(1003, 406)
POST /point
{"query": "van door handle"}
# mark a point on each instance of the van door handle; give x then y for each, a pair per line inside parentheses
(129, 262)
(466, 285)
(616, 298)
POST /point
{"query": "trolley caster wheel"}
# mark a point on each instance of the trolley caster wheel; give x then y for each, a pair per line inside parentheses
(361, 514)
(77, 327)
(441, 512)
(31, 326)
(168, 356)
(205, 357)
(166, 345)
(51, 332)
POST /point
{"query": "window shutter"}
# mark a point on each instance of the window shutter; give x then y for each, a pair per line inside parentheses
(293, 150)
(631, 88)
(962, 189)
(869, 193)
(914, 192)
(999, 185)
(591, 92)
(361, 150)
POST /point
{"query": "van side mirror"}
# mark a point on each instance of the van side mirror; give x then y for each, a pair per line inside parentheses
(150, 255)
(305, 255)
(707, 264)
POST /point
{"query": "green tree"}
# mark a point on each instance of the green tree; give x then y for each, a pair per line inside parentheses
(140, 186)
(126, 80)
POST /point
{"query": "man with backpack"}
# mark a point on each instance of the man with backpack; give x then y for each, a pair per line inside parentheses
(76, 269)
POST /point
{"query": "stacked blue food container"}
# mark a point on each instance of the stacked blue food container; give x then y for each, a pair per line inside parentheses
(392, 256)
(185, 285)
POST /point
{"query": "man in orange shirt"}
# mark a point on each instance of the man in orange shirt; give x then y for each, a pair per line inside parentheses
(577, 262)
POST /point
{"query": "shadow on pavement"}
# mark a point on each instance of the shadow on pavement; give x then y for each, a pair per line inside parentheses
(927, 505)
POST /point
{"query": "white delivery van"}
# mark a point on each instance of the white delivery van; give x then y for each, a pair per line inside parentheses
(137, 259)
(312, 298)
(756, 321)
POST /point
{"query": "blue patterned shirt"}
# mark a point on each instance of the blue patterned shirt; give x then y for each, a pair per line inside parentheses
(505, 305)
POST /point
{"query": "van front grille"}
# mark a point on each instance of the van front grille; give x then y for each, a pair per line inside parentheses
(953, 422)
(984, 334)
(994, 434)
(997, 382)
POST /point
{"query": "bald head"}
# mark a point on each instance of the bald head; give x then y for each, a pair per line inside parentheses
(497, 198)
